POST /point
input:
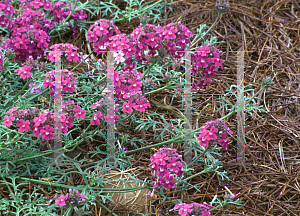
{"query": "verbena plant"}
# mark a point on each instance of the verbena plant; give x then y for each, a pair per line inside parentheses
(27, 117)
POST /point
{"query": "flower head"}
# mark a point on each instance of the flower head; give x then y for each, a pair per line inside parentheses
(61, 201)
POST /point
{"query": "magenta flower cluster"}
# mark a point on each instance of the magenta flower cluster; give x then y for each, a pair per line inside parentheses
(29, 33)
(42, 121)
(214, 130)
(100, 33)
(153, 39)
(166, 168)
(67, 81)
(207, 60)
(30, 30)
(6, 8)
(171, 39)
(69, 50)
(71, 198)
(193, 209)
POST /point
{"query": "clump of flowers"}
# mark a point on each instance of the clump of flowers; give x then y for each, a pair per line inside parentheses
(166, 168)
(67, 83)
(73, 198)
(214, 130)
(193, 209)
(100, 33)
(42, 121)
(207, 60)
(69, 50)
(29, 33)
(221, 6)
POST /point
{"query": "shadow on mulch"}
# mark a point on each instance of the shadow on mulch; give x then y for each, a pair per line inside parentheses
(269, 32)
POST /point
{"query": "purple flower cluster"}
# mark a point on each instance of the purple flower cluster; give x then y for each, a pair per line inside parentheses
(43, 121)
(101, 32)
(70, 51)
(68, 81)
(35, 89)
(166, 165)
(30, 30)
(193, 209)
(71, 198)
(207, 59)
(222, 6)
(217, 129)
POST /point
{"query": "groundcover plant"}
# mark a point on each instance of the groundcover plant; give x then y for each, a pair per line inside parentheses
(142, 64)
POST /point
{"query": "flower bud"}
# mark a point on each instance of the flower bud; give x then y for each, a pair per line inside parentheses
(149, 85)
(144, 19)
(221, 6)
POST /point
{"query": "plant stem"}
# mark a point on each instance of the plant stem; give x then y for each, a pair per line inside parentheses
(194, 43)
(209, 145)
(82, 187)
(26, 84)
(160, 89)
(197, 174)
(81, 62)
(103, 206)
(15, 141)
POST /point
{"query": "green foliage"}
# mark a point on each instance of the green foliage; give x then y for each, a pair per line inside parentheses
(134, 9)
(249, 101)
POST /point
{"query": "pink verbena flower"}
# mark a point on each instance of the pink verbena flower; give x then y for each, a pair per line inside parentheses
(47, 133)
(23, 125)
(135, 84)
(79, 113)
(127, 106)
(216, 59)
(61, 201)
(141, 106)
(203, 140)
(224, 142)
(164, 174)
(211, 133)
(24, 71)
(8, 120)
(96, 117)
